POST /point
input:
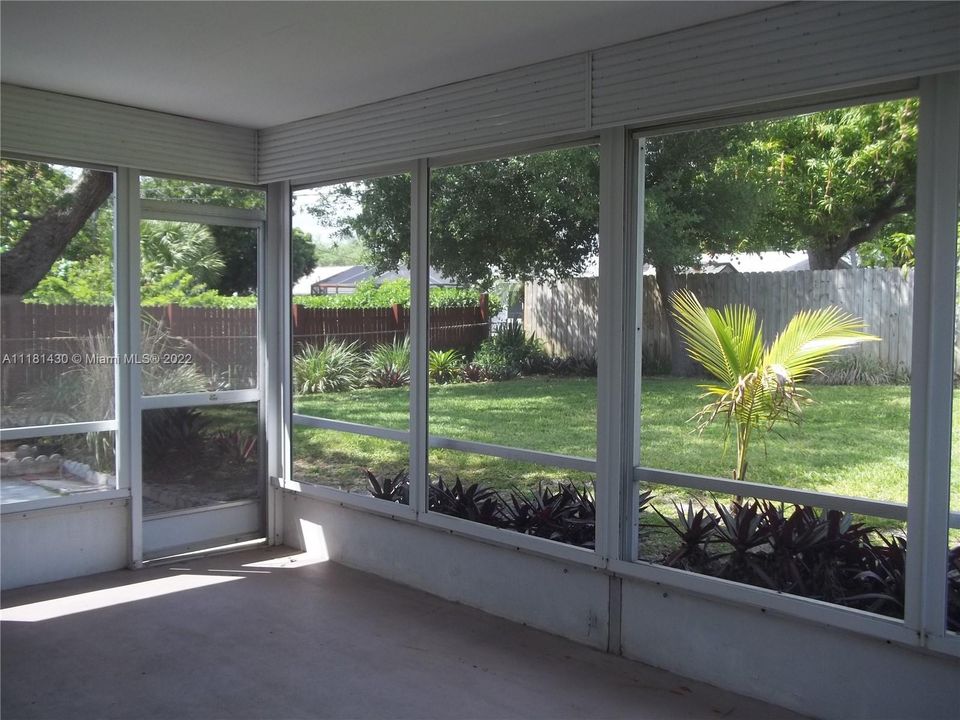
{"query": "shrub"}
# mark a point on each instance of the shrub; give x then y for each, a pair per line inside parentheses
(444, 366)
(388, 365)
(494, 364)
(238, 446)
(822, 555)
(397, 292)
(572, 365)
(509, 351)
(472, 373)
(860, 370)
(473, 502)
(335, 367)
(166, 429)
(395, 489)
(565, 512)
(86, 392)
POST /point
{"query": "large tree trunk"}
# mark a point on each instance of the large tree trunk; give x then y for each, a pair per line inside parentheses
(827, 256)
(680, 363)
(23, 266)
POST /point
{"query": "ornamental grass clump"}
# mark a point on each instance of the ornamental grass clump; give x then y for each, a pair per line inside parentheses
(334, 367)
(759, 385)
(388, 365)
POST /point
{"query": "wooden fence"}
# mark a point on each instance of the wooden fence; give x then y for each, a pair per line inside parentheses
(460, 328)
(565, 316)
(222, 342)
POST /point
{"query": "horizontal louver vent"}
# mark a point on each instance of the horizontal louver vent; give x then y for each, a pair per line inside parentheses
(785, 52)
(74, 129)
(535, 101)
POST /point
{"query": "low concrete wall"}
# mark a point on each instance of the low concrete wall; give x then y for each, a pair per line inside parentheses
(567, 600)
(810, 668)
(804, 666)
(64, 542)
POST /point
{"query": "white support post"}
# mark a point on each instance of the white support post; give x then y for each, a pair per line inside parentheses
(419, 337)
(127, 342)
(616, 400)
(638, 173)
(275, 383)
(938, 159)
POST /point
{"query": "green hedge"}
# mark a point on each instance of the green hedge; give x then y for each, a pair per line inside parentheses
(395, 292)
(179, 288)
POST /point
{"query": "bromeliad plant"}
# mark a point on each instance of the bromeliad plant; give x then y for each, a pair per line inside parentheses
(759, 385)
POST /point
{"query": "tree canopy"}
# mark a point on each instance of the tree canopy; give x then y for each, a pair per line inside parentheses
(44, 210)
(528, 217)
(843, 178)
(54, 219)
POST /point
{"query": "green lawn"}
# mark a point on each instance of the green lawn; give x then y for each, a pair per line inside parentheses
(854, 440)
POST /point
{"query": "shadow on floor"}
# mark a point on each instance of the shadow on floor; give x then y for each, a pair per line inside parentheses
(274, 633)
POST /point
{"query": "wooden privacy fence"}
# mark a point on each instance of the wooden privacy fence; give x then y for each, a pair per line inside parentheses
(458, 328)
(565, 316)
(39, 342)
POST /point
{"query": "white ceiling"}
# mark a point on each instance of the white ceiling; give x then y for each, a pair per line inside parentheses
(258, 64)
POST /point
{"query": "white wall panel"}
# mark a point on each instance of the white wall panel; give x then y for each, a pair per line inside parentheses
(536, 101)
(58, 543)
(567, 600)
(788, 51)
(815, 670)
(68, 128)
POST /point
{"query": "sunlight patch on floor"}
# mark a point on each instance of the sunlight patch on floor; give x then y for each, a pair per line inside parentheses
(315, 542)
(98, 599)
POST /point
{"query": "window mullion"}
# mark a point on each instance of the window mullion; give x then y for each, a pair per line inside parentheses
(419, 340)
(933, 341)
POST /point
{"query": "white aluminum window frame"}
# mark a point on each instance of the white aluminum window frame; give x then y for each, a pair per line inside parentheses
(924, 622)
(121, 487)
(139, 209)
(619, 385)
(283, 479)
(417, 437)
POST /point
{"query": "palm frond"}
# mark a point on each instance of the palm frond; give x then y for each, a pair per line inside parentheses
(704, 333)
(812, 337)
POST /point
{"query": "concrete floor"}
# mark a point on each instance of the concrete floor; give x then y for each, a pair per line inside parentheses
(267, 633)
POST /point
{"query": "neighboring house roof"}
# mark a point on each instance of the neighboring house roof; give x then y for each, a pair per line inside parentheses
(318, 274)
(771, 261)
(768, 261)
(349, 277)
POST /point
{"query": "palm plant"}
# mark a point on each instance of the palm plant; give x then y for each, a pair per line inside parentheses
(182, 246)
(759, 385)
(444, 365)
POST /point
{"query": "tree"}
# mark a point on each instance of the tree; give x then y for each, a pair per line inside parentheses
(236, 246)
(182, 246)
(522, 218)
(698, 199)
(536, 217)
(52, 220)
(842, 177)
(348, 251)
(303, 257)
(43, 211)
